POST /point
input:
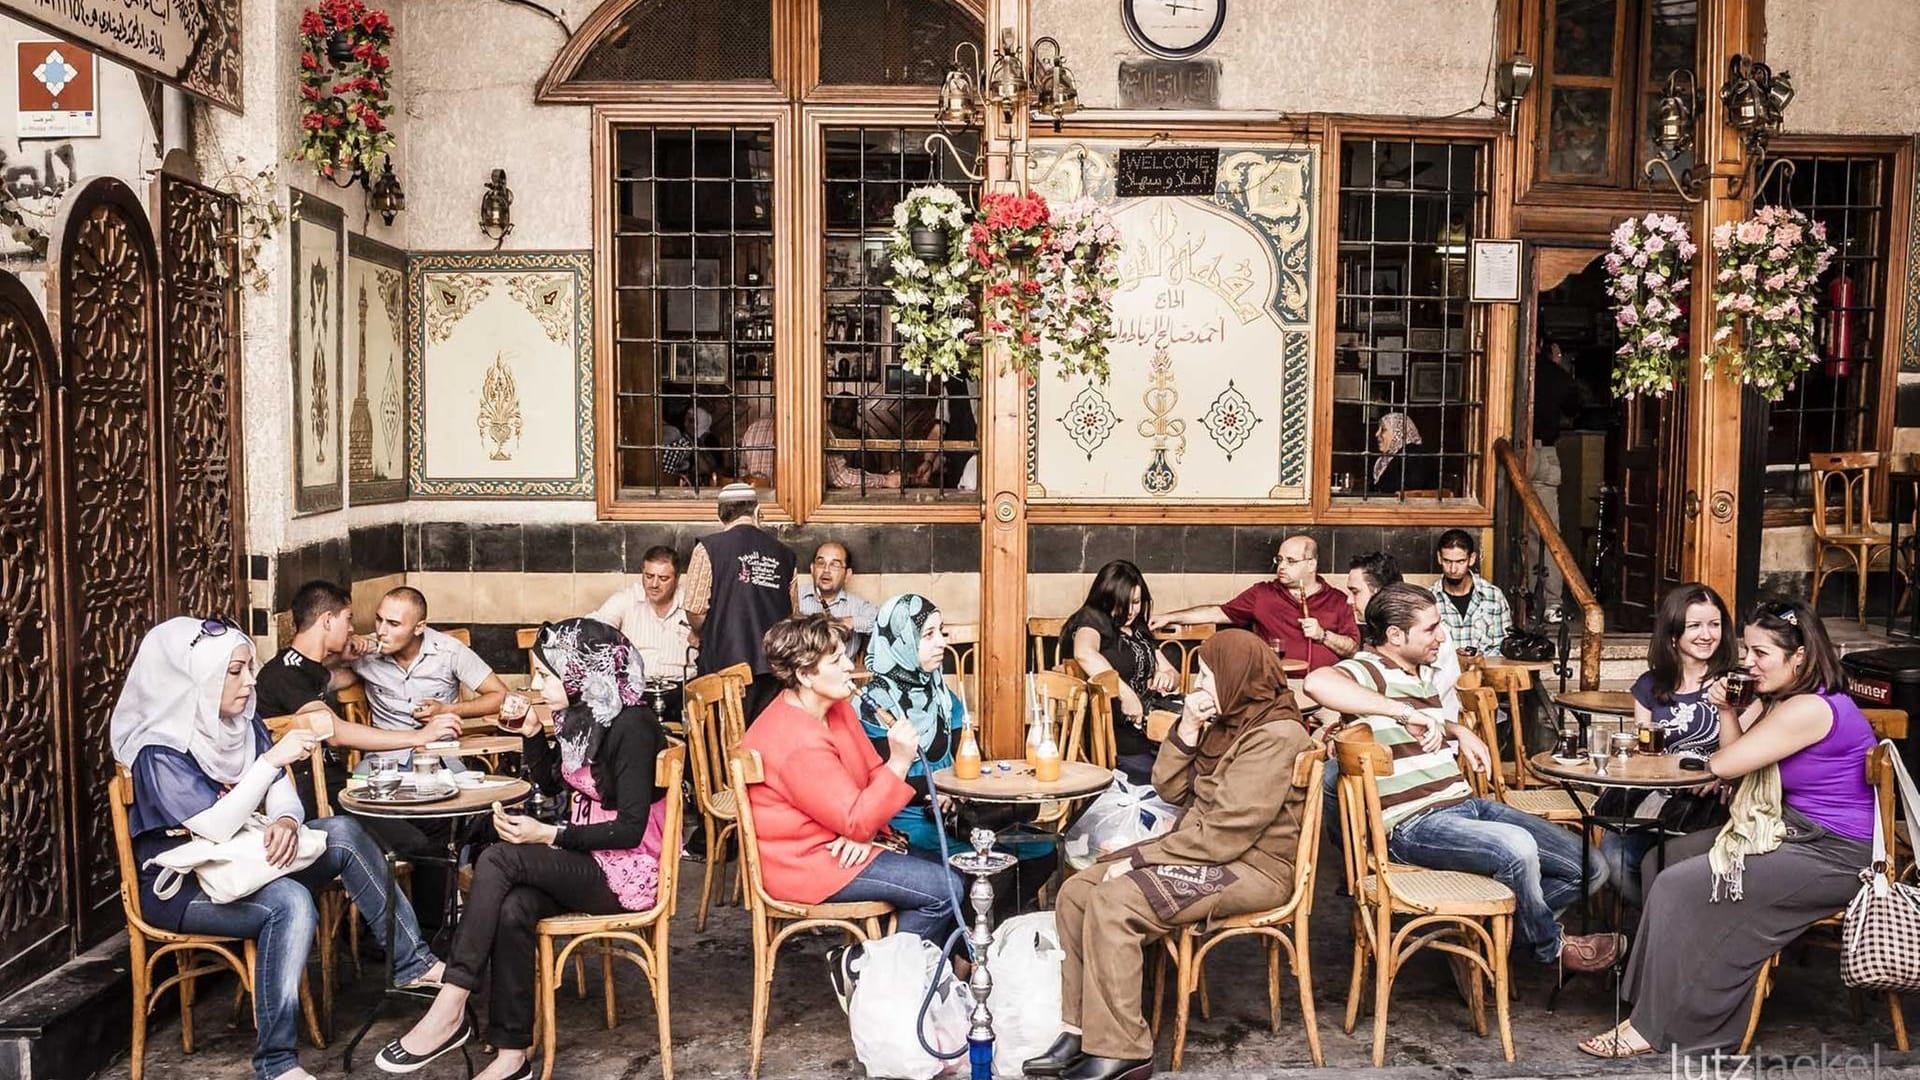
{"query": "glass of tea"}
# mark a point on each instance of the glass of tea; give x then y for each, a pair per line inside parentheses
(1740, 689)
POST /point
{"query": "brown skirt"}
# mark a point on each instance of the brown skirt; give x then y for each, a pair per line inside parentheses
(1691, 973)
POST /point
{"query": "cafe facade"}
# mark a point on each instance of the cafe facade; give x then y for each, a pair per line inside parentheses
(644, 251)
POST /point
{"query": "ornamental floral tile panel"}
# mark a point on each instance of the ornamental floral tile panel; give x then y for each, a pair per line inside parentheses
(319, 240)
(500, 375)
(1212, 388)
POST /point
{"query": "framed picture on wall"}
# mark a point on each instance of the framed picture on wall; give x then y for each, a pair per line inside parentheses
(1349, 386)
(1433, 381)
(318, 236)
(1390, 356)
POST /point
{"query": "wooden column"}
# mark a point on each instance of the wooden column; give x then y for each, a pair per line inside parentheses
(1003, 460)
(1710, 539)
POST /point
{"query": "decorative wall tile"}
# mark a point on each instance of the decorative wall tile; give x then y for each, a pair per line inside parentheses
(318, 245)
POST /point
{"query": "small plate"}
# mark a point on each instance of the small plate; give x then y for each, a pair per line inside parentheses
(1570, 760)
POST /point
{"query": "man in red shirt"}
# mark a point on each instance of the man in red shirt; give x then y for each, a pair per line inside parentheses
(1297, 611)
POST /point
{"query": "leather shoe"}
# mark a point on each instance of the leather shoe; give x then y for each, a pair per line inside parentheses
(1061, 1056)
(1099, 1068)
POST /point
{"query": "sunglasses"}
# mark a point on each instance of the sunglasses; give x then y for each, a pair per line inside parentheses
(212, 627)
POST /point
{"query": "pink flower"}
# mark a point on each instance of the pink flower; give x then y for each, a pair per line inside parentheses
(1787, 235)
(1655, 245)
(1751, 232)
(1627, 317)
(1749, 273)
(1819, 231)
(1723, 235)
(1777, 282)
(1686, 249)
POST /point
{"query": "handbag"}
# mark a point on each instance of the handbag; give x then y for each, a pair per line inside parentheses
(232, 868)
(1880, 939)
(1527, 645)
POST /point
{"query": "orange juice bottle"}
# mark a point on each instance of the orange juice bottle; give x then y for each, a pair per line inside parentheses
(1046, 765)
(966, 760)
(1036, 733)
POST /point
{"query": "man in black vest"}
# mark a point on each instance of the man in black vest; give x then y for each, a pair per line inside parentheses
(739, 582)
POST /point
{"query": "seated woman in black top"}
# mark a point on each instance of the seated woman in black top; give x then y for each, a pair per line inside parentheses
(1109, 633)
(1398, 467)
(604, 860)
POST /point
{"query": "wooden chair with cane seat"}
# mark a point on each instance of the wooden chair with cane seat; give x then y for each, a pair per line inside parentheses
(775, 920)
(1187, 639)
(1880, 775)
(1477, 709)
(1102, 692)
(1467, 916)
(1281, 929)
(1511, 681)
(332, 899)
(143, 957)
(715, 712)
(1062, 699)
(1042, 631)
(1854, 540)
(639, 937)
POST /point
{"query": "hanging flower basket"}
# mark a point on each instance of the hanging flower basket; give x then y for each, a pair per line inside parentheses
(1009, 230)
(932, 283)
(1078, 271)
(1648, 274)
(345, 92)
(1765, 271)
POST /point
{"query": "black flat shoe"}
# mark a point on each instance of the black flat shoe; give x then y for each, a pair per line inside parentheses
(1061, 1056)
(392, 1058)
(1099, 1068)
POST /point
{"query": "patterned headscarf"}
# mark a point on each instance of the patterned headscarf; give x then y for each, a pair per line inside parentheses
(601, 673)
(899, 684)
(1400, 432)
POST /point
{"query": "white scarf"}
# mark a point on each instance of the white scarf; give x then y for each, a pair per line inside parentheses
(172, 699)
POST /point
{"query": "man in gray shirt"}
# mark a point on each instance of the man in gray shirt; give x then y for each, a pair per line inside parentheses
(826, 591)
(418, 671)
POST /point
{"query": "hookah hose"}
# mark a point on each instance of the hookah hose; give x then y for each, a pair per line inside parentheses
(959, 932)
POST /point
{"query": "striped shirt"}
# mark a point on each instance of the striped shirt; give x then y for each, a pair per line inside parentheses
(665, 641)
(1420, 781)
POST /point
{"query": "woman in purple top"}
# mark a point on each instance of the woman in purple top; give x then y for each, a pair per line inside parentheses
(1701, 942)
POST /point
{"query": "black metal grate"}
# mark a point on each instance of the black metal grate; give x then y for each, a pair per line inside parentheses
(892, 42)
(685, 41)
(1406, 340)
(693, 308)
(889, 433)
(1827, 411)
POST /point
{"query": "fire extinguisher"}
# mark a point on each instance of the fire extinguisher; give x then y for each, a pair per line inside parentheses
(1840, 340)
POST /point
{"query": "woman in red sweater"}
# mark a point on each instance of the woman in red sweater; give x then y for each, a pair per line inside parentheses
(828, 796)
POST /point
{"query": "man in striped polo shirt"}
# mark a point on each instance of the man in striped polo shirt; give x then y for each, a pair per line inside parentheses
(1429, 810)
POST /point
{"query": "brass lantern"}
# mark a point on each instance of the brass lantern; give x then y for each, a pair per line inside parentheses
(1007, 85)
(1674, 115)
(1054, 90)
(960, 91)
(496, 208)
(386, 197)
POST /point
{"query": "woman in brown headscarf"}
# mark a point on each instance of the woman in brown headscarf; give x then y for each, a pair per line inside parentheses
(1229, 765)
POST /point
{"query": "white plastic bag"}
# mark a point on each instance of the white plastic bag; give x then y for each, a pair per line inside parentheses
(1124, 814)
(1025, 962)
(892, 976)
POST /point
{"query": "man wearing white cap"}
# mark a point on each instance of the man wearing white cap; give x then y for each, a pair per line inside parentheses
(739, 582)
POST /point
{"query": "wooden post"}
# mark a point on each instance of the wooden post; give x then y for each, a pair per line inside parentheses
(1710, 539)
(1003, 460)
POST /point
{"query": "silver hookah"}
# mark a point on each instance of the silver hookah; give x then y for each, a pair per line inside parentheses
(981, 864)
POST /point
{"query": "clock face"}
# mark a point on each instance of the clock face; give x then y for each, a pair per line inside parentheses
(1173, 28)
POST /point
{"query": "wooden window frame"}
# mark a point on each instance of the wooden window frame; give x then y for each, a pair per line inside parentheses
(1621, 82)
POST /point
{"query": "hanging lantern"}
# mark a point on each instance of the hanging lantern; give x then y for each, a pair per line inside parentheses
(1841, 345)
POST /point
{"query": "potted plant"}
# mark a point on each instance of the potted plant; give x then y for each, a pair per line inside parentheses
(1765, 271)
(1648, 272)
(1078, 271)
(932, 284)
(1008, 231)
(345, 92)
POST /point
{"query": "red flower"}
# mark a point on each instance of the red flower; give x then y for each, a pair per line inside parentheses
(310, 93)
(311, 23)
(373, 122)
(378, 62)
(313, 121)
(363, 50)
(309, 62)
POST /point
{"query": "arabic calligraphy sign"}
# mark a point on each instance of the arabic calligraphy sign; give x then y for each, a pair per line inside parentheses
(1152, 83)
(191, 44)
(1171, 170)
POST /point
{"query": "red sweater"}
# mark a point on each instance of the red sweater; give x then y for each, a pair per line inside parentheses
(823, 781)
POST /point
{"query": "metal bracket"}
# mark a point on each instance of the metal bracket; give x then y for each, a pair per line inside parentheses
(1691, 505)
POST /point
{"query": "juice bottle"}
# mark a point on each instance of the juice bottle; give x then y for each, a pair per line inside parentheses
(1036, 733)
(1046, 765)
(966, 760)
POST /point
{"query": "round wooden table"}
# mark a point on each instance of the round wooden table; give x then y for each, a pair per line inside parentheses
(1645, 771)
(465, 802)
(1018, 785)
(1608, 702)
(1293, 666)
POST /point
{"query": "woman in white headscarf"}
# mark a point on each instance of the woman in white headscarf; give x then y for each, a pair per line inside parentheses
(1396, 467)
(202, 765)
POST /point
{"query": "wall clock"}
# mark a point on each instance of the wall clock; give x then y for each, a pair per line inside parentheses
(1173, 29)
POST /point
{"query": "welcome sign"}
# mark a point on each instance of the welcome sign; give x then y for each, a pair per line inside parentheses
(191, 44)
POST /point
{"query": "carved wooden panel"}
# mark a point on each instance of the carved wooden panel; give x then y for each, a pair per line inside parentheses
(200, 317)
(106, 304)
(33, 907)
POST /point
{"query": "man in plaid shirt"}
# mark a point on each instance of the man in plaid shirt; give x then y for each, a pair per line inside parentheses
(1474, 612)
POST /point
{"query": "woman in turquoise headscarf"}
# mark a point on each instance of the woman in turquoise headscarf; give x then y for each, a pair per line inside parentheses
(906, 654)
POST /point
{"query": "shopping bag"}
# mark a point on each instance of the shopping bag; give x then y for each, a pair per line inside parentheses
(1025, 961)
(1125, 814)
(884, 1014)
(1880, 938)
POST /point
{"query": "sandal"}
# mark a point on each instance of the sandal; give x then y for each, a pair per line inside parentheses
(1620, 1042)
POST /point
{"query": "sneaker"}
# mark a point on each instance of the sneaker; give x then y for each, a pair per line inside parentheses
(840, 972)
(1591, 952)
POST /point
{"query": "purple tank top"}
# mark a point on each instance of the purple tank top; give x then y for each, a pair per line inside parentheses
(1828, 780)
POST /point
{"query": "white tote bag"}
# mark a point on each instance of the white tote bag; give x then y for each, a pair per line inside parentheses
(1880, 941)
(232, 868)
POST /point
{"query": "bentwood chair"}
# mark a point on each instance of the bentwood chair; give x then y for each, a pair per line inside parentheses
(1854, 540)
(1510, 680)
(1477, 708)
(1062, 698)
(715, 710)
(1467, 916)
(194, 955)
(1280, 929)
(775, 920)
(639, 937)
(354, 709)
(1047, 646)
(1880, 775)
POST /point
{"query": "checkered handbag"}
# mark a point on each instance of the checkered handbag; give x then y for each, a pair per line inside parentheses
(1880, 942)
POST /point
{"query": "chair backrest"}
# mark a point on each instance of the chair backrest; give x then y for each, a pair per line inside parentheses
(119, 798)
(460, 634)
(1306, 858)
(668, 767)
(316, 758)
(1480, 707)
(1887, 723)
(524, 639)
(1886, 803)
(1047, 647)
(1852, 474)
(1103, 694)
(745, 769)
(1363, 836)
(963, 662)
(1063, 700)
(715, 718)
(1186, 640)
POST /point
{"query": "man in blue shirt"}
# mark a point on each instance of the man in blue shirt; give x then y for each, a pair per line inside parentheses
(826, 591)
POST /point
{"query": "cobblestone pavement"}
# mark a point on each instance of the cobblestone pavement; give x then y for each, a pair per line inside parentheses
(1429, 1035)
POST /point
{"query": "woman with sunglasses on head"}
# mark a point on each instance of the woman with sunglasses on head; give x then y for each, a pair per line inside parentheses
(1790, 854)
(202, 766)
(604, 860)
(1692, 646)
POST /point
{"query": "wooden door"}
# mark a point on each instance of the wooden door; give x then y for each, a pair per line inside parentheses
(1647, 475)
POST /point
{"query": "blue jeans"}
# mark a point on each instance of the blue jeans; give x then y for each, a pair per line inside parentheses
(1624, 854)
(282, 919)
(1539, 861)
(921, 890)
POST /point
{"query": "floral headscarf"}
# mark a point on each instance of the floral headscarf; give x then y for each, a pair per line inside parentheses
(1400, 432)
(900, 685)
(601, 673)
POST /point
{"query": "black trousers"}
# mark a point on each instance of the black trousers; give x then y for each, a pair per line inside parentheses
(431, 880)
(514, 887)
